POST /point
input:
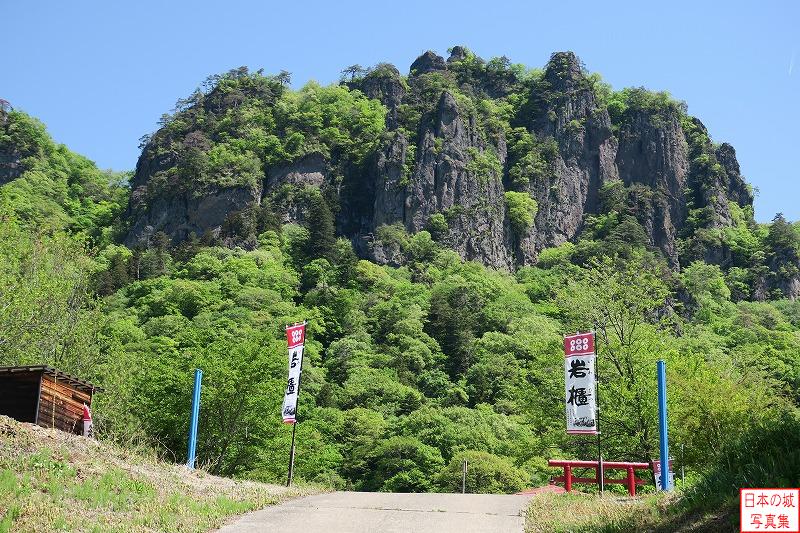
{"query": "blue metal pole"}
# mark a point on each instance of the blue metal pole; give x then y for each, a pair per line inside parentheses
(198, 378)
(662, 424)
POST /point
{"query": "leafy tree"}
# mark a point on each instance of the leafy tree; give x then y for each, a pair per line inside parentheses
(402, 464)
(623, 302)
(455, 305)
(486, 473)
(353, 71)
(363, 429)
(56, 189)
(521, 211)
(47, 315)
(379, 390)
(782, 245)
(437, 226)
(706, 285)
(284, 78)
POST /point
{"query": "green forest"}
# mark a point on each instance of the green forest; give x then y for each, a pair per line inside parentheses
(408, 369)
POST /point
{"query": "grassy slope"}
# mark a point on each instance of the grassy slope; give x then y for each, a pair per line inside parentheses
(52, 481)
(651, 513)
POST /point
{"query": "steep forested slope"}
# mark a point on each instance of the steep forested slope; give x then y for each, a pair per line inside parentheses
(440, 231)
(496, 161)
(47, 185)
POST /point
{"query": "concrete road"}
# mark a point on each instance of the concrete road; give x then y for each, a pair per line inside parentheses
(380, 512)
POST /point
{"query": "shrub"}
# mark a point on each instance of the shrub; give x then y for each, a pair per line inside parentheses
(486, 473)
(521, 211)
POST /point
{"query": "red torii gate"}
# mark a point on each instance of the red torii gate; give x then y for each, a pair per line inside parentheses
(567, 479)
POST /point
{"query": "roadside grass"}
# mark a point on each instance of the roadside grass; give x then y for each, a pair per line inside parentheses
(760, 456)
(52, 481)
(574, 512)
(652, 513)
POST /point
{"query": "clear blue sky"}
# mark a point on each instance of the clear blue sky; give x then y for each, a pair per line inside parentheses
(100, 74)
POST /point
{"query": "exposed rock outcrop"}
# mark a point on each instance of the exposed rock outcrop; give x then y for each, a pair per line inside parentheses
(10, 164)
(181, 216)
(457, 53)
(428, 62)
(389, 179)
(652, 151)
(443, 154)
(460, 175)
(385, 84)
(11, 156)
(311, 170)
(566, 109)
(736, 186)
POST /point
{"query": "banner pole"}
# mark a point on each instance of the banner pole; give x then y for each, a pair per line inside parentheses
(600, 480)
(291, 457)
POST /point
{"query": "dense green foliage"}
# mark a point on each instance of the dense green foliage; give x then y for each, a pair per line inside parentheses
(408, 370)
(521, 211)
(243, 123)
(56, 188)
(246, 122)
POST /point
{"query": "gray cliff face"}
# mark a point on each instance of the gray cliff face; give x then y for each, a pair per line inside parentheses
(178, 213)
(11, 157)
(653, 152)
(10, 165)
(789, 287)
(311, 170)
(428, 62)
(714, 193)
(457, 53)
(586, 151)
(384, 84)
(736, 186)
(448, 179)
(389, 182)
(180, 216)
(450, 163)
(149, 215)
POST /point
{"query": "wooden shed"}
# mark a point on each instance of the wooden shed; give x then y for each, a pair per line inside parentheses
(45, 396)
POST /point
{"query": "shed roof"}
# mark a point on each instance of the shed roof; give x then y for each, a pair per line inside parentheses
(78, 383)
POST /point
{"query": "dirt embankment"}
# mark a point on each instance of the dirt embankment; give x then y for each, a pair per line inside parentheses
(54, 481)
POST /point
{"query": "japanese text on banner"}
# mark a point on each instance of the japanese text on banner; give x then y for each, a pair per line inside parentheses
(295, 337)
(579, 380)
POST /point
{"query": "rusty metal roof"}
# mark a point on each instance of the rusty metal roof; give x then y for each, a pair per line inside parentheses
(80, 384)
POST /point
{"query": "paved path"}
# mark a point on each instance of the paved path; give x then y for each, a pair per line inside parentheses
(381, 512)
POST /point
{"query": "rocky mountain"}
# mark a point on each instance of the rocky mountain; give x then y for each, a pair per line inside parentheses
(496, 162)
(48, 186)
(11, 154)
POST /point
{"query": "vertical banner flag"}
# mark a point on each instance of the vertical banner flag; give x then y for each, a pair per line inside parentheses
(296, 338)
(579, 380)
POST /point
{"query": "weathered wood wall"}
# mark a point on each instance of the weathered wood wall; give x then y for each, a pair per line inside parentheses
(61, 406)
